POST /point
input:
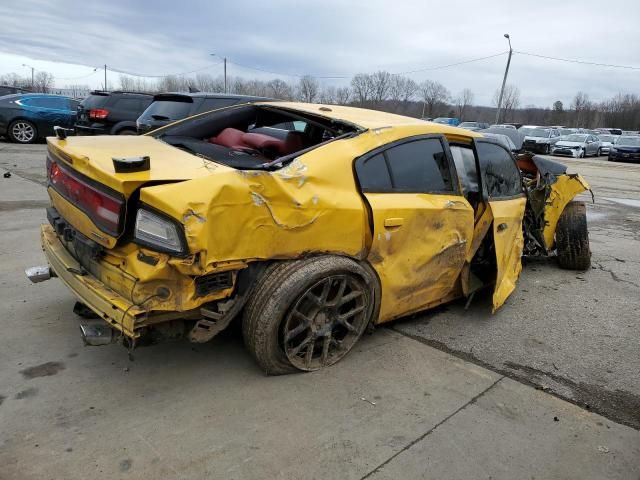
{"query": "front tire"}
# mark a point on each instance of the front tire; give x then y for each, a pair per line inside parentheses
(599, 153)
(127, 131)
(22, 131)
(572, 238)
(307, 314)
(582, 154)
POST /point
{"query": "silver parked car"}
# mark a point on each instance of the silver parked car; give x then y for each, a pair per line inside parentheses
(540, 140)
(606, 142)
(578, 145)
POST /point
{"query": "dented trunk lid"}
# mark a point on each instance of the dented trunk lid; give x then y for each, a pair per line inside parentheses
(92, 156)
(89, 160)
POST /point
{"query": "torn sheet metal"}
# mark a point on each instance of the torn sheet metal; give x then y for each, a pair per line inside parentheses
(561, 192)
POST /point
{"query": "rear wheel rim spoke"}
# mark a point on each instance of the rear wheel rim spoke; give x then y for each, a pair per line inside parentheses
(333, 312)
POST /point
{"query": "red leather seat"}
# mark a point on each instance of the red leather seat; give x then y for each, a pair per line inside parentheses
(230, 138)
(295, 141)
(263, 142)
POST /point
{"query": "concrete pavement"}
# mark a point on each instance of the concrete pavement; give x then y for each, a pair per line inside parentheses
(396, 407)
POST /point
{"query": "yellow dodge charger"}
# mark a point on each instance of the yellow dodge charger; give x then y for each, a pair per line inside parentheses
(307, 222)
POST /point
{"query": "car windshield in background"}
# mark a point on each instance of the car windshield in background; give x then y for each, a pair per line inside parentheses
(526, 131)
(576, 138)
(169, 109)
(628, 141)
(565, 131)
(539, 132)
(468, 124)
(606, 138)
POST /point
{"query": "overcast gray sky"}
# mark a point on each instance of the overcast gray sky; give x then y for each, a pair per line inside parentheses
(334, 38)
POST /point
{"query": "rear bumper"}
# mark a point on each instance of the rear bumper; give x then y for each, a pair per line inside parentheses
(114, 309)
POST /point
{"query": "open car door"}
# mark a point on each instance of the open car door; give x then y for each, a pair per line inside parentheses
(505, 201)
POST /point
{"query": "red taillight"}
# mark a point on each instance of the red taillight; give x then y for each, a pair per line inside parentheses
(104, 209)
(98, 113)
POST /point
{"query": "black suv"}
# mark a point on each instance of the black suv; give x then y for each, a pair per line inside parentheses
(169, 107)
(111, 113)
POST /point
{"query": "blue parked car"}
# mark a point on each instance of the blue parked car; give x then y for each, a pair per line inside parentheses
(454, 122)
(25, 118)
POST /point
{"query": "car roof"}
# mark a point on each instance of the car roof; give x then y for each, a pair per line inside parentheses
(209, 95)
(365, 118)
(118, 92)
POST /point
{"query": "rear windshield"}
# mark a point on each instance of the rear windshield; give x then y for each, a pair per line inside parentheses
(93, 101)
(539, 132)
(173, 110)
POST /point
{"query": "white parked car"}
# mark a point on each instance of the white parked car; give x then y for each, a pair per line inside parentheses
(577, 145)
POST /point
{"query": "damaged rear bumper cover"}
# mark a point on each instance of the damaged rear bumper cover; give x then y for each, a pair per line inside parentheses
(118, 312)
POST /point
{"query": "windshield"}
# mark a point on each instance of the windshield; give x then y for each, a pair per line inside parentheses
(468, 124)
(606, 138)
(167, 108)
(566, 131)
(628, 141)
(539, 132)
(442, 120)
(576, 138)
(525, 130)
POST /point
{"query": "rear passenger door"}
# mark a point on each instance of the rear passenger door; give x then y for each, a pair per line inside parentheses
(502, 190)
(421, 223)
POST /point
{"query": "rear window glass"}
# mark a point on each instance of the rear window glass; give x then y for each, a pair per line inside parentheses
(93, 101)
(419, 166)
(465, 162)
(215, 103)
(170, 109)
(374, 175)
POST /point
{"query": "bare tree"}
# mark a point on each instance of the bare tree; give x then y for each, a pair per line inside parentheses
(510, 100)
(308, 88)
(280, 89)
(42, 82)
(463, 101)
(343, 95)
(401, 91)
(380, 85)
(362, 88)
(434, 96)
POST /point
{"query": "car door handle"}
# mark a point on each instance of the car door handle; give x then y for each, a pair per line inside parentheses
(393, 222)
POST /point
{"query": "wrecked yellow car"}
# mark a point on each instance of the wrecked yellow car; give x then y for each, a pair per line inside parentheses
(307, 222)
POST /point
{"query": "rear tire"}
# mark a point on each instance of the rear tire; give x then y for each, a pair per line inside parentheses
(126, 131)
(291, 297)
(572, 238)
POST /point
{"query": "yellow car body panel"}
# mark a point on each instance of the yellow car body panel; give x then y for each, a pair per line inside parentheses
(418, 244)
(562, 191)
(418, 248)
(509, 243)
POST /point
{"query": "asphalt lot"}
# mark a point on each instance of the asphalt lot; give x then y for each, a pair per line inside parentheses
(548, 387)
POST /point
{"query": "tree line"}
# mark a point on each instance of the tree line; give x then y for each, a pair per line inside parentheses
(382, 90)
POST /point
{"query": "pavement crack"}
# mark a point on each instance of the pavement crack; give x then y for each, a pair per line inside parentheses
(614, 275)
(616, 405)
(431, 430)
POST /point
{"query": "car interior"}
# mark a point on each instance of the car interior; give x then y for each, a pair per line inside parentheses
(252, 136)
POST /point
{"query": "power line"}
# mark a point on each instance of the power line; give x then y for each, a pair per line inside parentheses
(628, 67)
(426, 69)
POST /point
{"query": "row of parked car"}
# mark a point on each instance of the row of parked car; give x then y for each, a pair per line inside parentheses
(25, 118)
(617, 144)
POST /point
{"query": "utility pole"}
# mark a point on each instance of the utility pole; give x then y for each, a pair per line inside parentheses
(32, 76)
(504, 80)
(225, 74)
(224, 59)
(105, 77)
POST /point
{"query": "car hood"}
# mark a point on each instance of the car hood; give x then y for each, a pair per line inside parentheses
(542, 139)
(627, 149)
(93, 156)
(566, 143)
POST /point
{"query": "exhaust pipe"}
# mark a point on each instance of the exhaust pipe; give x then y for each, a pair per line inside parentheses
(95, 332)
(40, 273)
